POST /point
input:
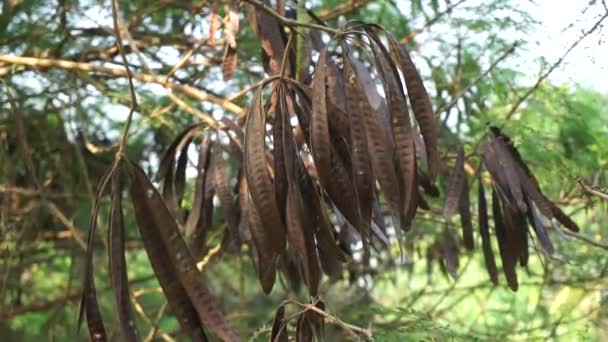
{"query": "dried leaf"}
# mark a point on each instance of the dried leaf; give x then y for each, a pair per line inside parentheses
(270, 32)
(231, 29)
(229, 63)
(214, 20)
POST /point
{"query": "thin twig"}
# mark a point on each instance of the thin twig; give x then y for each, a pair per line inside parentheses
(349, 328)
(133, 105)
(358, 331)
(588, 190)
(208, 119)
(66, 222)
(586, 239)
(286, 54)
(290, 22)
(456, 98)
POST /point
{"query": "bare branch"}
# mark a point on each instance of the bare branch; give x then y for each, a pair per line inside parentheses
(193, 92)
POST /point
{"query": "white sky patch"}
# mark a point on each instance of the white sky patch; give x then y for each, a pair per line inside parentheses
(562, 22)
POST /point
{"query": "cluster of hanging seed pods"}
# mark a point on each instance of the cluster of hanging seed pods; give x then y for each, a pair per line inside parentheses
(317, 166)
(352, 152)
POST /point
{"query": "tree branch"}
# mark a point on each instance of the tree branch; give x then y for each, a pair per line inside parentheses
(193, 92)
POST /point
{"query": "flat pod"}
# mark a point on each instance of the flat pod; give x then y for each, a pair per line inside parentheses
(449, 251)
(509, 167)
(153, 217)
(279, 326)
(455, 186)
(484, 232)
(199, 186)
(505, 248)
(89, 306)
(421, 104)
(465, 217)
(118, 265)
(221, 184)
(301, 238)
(299, 217)
(269, 234)
(278, 152)
(319, 128)
(379, 143)
(207, 191)
(179, 301)
(266, 262)
(402, 135)
(358, 107)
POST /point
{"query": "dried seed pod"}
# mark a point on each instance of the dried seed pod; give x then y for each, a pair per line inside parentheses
(269, 235)
(118, 265)
(484, 232)
(154, 219)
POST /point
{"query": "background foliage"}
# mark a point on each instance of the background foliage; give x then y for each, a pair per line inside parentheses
(464, 51)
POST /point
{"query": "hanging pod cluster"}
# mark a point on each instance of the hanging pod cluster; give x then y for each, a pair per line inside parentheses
(352, 152)
(163, 224)
(517, 203)
(518, 208)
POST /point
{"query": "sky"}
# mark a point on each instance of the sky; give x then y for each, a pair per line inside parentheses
(587, 64)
